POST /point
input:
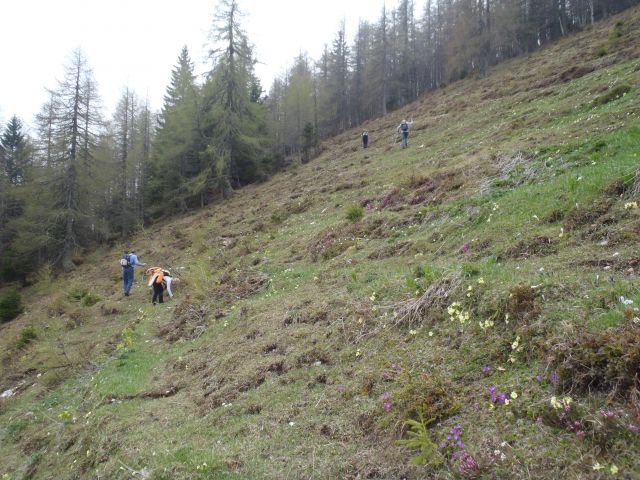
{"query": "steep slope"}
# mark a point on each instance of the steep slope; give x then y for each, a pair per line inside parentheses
(496, 255)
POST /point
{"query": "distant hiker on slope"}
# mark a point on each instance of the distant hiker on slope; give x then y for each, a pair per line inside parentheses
(404, 129)
(365, 139)
(128, 262)
(159, 278)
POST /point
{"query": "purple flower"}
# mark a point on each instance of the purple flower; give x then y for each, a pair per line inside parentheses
(475, 407)
(443, 444)
(553, 378)
(486, 369)
(369, 207)
(492, 388)
(502, 397)
(633, 428)
(460, 444)
(385, 396)
(580, 433)
(539, 378)
(465, 248)
(387, 406)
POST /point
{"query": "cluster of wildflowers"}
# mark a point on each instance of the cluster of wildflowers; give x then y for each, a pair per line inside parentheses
(553, 378)
(487, 324)
(385, 398)
(500, 398)
(612, 468)
(457, 313)
(516, 347)
(631, 205)
(203, 467)
(453, 443)
(66, 416)
(562, 404)
(454, 446)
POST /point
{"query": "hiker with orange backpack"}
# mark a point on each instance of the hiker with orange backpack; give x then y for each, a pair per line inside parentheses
(159, 278)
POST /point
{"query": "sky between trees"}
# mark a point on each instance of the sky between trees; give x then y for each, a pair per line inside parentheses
(135, 44)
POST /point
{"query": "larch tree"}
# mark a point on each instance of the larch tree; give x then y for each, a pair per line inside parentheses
(234, 123)
(61, 221)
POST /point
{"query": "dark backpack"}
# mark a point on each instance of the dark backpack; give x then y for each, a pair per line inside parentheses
(125, 261)
(404, 126)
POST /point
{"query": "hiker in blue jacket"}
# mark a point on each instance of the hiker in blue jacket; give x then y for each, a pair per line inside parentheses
(128, 262)
(404, 129)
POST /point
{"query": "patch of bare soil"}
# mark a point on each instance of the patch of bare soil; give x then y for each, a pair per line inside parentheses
(189, 321)
(238, 284)
(393, 250)
(537, 246)
(586, 215)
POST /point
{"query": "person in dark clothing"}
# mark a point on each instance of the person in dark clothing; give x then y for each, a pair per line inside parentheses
(158, 280)
(365, 139)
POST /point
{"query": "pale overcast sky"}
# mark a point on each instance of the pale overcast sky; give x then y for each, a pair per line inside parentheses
(137, 42)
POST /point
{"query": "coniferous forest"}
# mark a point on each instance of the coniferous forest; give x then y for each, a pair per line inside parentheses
(78, 178)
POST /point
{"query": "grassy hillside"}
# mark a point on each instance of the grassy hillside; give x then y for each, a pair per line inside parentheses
(321, 310)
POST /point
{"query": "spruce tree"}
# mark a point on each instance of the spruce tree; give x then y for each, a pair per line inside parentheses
(174, 176)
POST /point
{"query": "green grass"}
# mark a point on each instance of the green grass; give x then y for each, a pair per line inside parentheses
(289, 380)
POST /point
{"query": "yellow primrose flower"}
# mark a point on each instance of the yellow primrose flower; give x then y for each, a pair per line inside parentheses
(469, 288)
(413, 332)
(597, 466)
(358, 353)
(506, 401)
(630, 205)
(514, 395)
(481, 280)
(555, 403)
(430, 333)
(613, 469)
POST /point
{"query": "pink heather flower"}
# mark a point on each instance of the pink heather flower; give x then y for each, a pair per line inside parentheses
(607, 413)
(633, 428)
(465, 248)
(467, 463)
(385, 396)
(387, 406)
(539, 378)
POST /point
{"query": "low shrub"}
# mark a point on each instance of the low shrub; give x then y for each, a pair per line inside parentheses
(10, 305)
(27, 334)
(354, 212)
(615, 93)
(606, 361)
(420, 396)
